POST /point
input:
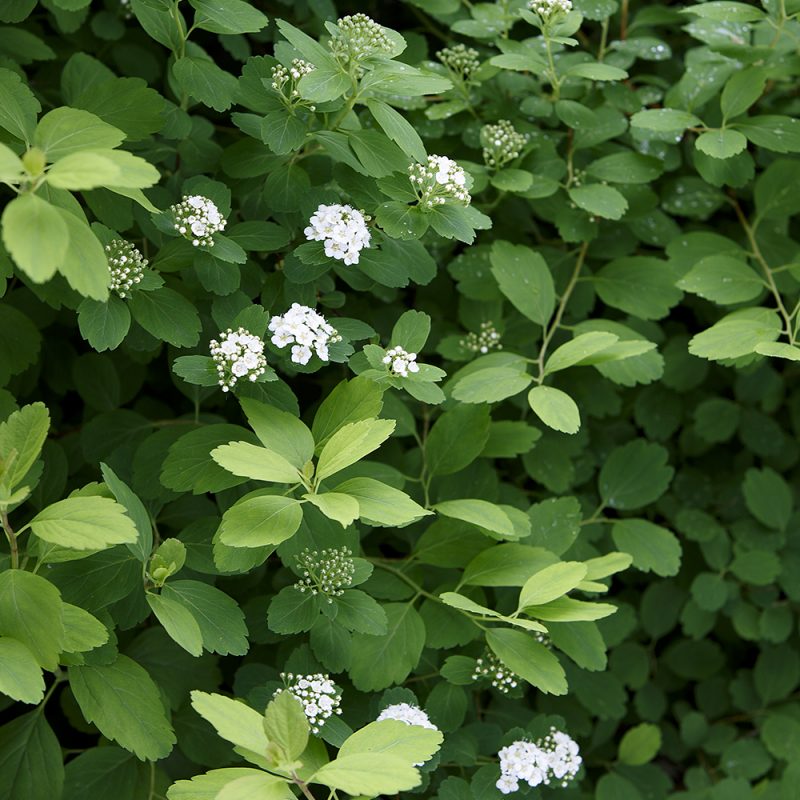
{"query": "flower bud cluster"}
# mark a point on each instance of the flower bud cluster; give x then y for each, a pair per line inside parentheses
(459, 59)
(287, 77)
(501, 143)
(325, 572)
(125, 265)
(489, 666)
(238, 354)
(342, 228)
(485, 340)
(556, 758)
(320, 696)
(438, 181)
(197, 219)
(400, 362)
(550, 9)
(405, 712)
(125, 9)
(307, 331)
(358, 36)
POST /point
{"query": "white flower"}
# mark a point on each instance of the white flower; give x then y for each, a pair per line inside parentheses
(405, 712)
(126, 266)
(460, 59)
(307, 330)
(549, 9)
(485, 340)
(501, 143)
(556, 757)
(438, 181)
(238, 354)
(284, 79)
(342, 228)
(198, 217)
(400, 362)
(491, 667)
(325, 572)
(318, 694)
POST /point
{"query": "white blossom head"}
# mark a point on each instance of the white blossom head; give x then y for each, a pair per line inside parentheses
(306, 331)
(357, 37)
(549, 10)
(197, 219)
(325, 572)
(460, 60)
(502, 143)
(285, 79)
(320, 697)
(486, 339)
(400, 362)
(438, 181)
(490, 667)
(410, 714)
(342, 229)
(555, 759)
(238, 355)
(126, 265)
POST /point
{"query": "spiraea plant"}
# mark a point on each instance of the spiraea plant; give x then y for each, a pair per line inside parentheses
(399, 399)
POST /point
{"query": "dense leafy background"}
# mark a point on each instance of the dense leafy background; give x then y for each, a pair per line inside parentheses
(640, 260)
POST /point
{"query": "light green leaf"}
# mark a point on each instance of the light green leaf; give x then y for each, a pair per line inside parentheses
(68, 130)
(478, 512)
(506, 564)
(398, 129)
(737, 334)
(20, 675)
(260, 521)
(381, 504)
(261, 785)
(83, 170)
(357, 775)
(743, 88)
(778, 350)
(18, 106)
(209, 785)
(524, 278)
(85, 523)
(178, 623)
(654, 549)
(412, 743)
(258, 463)
(280, 431)
(555, 408)
(336, 505)
(350, 401)
(351, 443)
(491, 385)
(11, 167)
(640, 744)
(551, 583)
(665, 120)
(227, 16)
(721, 143)
(722, 279)
(233, 720)
(35, 235)
(122, 700)
(286, 724)
(725, 11)
(532, 661)
(565, 609)
(600, 200)
(581, 347)
(22, 436)
(597, 72)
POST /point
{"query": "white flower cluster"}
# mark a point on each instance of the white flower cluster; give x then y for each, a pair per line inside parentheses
(400, 362)
(460, 59)
(438, 181)
(125, 265)
(282, 75)
(554, 758)
(501, 143)
(320, 696)
(343, 229)
(405, 712)
(550, 9)
(197, 218)
(325, 572)
(307, 331)
(491, 667)
(238, 354)
(485, 340)
(358, 36)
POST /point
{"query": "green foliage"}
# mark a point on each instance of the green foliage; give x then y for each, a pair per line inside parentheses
(377, 394)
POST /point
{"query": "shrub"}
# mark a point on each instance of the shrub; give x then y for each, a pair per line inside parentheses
(392, 413)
